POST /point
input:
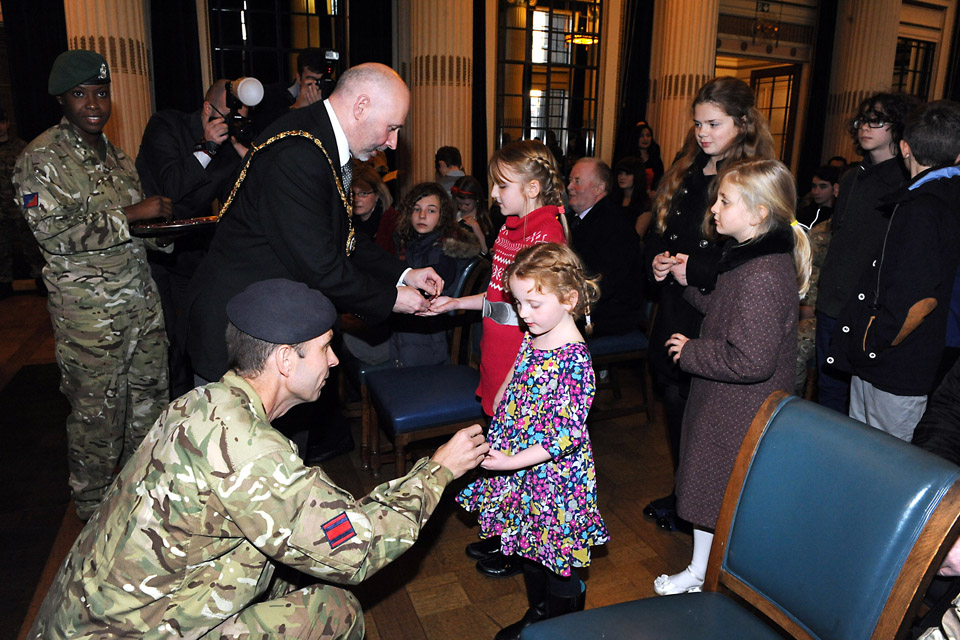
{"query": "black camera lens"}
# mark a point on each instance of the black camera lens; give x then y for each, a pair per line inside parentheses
(242, 130)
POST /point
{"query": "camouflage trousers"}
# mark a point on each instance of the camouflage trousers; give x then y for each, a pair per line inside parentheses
(806, 352)
(319, 611)
(16, 238)
(114, 373)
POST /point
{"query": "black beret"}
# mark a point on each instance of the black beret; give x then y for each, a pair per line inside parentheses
(78, 66)
(281, 311)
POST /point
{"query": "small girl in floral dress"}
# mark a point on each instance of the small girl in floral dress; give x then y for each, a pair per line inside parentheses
(541, 497)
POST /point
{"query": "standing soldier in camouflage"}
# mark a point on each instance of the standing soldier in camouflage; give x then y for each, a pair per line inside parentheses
(215, 500)
(79, 195)
(14, 231)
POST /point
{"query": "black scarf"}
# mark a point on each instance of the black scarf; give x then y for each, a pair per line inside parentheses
(777, 240)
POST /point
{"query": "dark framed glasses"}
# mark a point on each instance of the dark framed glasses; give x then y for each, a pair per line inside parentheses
(873, 123)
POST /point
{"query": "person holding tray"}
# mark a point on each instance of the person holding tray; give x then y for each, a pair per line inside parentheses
(79, 195)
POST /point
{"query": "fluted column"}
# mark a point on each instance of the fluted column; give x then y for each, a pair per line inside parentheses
(863, 59)
(683, 58)
(441, 82)
(116, 29)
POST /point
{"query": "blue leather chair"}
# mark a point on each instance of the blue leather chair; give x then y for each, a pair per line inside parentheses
(609, 350)
(829, 529)
(416, 403)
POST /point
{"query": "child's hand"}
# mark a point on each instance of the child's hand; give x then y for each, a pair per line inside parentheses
(675, 345)
(463, 451)
(662, 262)
(679, 268)
(497, 460)
(441, 304)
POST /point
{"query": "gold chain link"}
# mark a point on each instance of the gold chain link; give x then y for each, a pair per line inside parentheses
(351, 235)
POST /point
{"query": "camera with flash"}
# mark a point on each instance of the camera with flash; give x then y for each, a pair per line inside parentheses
(240, 92)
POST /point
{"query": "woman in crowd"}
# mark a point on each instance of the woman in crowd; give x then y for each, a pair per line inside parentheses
(630, 191)
(473, 212)
(373, 214)
(649, 152)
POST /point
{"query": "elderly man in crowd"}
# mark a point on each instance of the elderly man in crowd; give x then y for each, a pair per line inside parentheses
(187, 540)
(604, 237)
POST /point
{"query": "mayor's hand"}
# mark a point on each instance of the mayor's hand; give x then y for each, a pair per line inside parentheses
(426, 280)
(409, 300)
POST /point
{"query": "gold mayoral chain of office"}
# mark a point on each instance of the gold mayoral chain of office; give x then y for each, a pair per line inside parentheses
(351, 234)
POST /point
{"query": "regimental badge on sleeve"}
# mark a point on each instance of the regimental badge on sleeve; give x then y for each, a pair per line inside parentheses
(338, 530)
(31, 200)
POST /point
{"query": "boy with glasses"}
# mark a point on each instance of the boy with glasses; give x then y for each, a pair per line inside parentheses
(892, 331)
(859, 224)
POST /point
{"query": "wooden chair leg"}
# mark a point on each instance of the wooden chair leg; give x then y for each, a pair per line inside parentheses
(400, 455)
(614, 382)
(374, 443)
(648, 394)
(366, 426)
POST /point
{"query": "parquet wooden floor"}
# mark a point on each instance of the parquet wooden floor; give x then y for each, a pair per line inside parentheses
(433, 591)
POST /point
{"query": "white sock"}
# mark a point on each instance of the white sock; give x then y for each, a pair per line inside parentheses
(693, 575)
(702, 541)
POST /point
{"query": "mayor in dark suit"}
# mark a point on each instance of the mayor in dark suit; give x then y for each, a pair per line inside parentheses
(607, 243)
(289, 219)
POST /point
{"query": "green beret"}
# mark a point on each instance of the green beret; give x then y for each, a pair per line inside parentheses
(77, 67)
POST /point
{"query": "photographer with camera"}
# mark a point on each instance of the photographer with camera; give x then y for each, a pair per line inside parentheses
(315, 79)
(193, 158)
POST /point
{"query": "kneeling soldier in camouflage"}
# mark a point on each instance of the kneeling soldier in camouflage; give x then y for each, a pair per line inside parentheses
(188, 538)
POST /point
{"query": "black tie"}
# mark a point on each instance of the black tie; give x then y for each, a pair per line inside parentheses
(347, 172)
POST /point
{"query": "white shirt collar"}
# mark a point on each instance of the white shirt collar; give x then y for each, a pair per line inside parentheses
(343, 145)
(583, 214)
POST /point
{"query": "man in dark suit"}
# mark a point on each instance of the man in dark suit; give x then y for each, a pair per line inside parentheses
(604, 238)
(289, 217)
(191, 159)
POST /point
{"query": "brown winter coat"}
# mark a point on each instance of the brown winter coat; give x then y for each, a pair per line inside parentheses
(746, 350)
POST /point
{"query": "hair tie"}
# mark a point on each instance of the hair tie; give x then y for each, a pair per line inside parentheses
(794, 223)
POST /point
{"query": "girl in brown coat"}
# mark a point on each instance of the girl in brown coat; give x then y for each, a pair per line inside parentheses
(748, 341)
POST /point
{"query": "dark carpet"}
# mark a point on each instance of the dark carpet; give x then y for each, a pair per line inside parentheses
(33, 475)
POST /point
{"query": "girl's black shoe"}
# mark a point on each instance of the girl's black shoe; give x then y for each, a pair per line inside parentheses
(484, 549)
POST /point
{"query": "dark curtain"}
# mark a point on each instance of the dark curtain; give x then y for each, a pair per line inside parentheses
(478, 163)
(371, 34)
(36, 35)
(634, 76)
(176, 56)
(812, 146)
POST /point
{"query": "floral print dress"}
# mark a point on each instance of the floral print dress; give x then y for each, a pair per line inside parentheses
(547, 513)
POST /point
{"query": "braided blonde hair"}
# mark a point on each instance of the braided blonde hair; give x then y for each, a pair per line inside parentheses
(529, 160)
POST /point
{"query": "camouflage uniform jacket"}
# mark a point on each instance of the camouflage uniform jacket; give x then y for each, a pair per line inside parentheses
(9, 150)
(73, 202)
(189, 531)
(949, 628)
